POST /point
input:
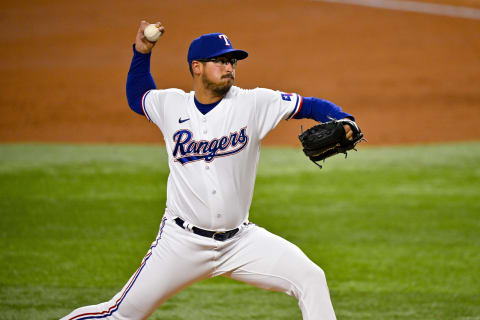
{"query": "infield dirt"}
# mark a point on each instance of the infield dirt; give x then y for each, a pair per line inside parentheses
(407, 77)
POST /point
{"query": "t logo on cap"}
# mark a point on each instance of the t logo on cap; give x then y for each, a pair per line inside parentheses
(224, 38)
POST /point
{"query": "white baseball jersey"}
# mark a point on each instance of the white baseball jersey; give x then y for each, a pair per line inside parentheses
(213, 157)
(213, 161)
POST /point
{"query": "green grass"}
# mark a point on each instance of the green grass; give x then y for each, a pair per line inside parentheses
(397, 230)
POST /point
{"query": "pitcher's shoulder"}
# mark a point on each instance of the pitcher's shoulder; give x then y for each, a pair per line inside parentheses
(240, 92)
(175, 91)
(169, 94)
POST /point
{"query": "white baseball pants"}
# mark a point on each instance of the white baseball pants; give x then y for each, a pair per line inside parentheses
(179, 258)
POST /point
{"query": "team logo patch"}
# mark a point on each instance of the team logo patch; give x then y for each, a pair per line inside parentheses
(187, 149)
(287, 96)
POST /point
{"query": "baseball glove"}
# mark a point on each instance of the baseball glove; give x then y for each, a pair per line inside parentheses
(328, 139)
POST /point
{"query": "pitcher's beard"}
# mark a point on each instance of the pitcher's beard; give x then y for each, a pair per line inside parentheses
(220, 90)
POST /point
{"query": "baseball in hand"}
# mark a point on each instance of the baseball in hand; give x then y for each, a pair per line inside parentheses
(152, 33)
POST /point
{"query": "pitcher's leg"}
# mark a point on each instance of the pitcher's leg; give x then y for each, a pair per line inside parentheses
(175, 260)
(270, 262)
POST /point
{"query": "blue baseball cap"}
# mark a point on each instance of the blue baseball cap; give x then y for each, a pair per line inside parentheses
(213, 45)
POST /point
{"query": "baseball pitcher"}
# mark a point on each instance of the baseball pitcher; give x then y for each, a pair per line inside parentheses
(212, 137)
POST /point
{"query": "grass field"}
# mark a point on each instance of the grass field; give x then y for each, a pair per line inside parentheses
(397, 230)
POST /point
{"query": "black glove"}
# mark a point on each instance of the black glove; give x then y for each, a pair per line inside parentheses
(328, 139)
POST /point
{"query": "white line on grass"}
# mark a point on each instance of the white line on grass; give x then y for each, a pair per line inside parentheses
(413, 6)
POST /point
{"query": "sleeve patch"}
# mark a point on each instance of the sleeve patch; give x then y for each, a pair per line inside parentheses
(287, 96)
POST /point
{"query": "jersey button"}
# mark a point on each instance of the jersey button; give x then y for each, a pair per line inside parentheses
(204, 119)
(204, 131)
(207, 168)
(214, 191)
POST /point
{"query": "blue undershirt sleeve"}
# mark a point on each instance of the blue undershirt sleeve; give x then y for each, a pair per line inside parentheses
(320, 110)
(139, 80)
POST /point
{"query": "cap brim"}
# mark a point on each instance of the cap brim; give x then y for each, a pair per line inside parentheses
(237, 54)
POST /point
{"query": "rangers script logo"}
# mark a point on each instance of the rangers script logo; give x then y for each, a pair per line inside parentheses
(187, 149)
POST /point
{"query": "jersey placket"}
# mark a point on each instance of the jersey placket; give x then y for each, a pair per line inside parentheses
(211, 183)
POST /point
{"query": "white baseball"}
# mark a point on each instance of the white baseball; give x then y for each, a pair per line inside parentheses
(152, 33)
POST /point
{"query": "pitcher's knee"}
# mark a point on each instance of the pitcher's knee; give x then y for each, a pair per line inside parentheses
(314, 279)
